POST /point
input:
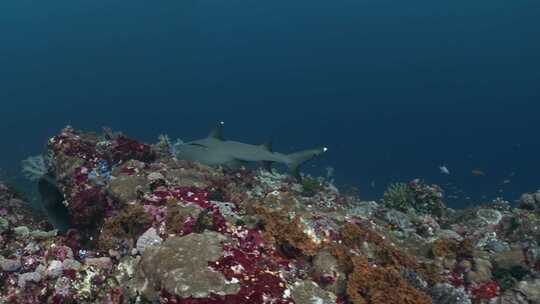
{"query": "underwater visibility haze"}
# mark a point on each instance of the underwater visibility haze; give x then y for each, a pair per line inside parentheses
(384, 121)
(393, 89)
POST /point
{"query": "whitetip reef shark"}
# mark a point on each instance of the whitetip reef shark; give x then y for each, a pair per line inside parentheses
(214, 150)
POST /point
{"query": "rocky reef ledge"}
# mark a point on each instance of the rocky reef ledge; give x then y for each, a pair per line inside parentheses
(145, 227)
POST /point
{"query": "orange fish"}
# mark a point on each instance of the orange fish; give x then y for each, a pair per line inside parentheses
(477, 172)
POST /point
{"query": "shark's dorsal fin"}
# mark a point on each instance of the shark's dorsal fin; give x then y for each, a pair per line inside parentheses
(217, 132)
(267, 146)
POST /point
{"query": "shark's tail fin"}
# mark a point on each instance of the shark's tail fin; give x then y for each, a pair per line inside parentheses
(298, 158)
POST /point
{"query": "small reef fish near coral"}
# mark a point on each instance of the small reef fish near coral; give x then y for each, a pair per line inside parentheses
(444, 170)
(141, 224)
(478, 172)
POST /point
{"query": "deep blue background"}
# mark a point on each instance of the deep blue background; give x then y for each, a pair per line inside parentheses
(394, 88)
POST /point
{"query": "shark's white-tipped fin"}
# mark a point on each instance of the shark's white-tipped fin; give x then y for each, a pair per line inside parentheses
(217, 132)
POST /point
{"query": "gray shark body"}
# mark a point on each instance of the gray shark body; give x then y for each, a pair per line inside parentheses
(215, 150)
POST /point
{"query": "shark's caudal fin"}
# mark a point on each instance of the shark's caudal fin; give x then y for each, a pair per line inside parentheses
(298, 158)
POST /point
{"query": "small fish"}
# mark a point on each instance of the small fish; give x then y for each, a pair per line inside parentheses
(444, 170)
(372, 184)
(478, 172)
(505, 182)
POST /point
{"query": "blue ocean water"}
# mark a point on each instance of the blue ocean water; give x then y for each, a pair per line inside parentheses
(393, 88)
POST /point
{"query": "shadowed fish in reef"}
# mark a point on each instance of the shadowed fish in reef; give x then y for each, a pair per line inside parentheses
(215, 150)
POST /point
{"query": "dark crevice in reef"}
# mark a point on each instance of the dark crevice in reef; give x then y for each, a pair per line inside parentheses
(51, 199)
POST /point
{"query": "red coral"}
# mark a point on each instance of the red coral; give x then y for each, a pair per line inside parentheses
(157, 198)
(86, 206)
(70, 273)
(59, 299)
(255, 271)
(58, 253)
(115, 296)
(252, 241)
(158, 214)
(484, 291)
(456, 279)
(29, 263)
(326, 280)
(189, 225)
(124, 149)
(193, 195)
(128, 170)
(200, 197)
(80, 176)
(219, 222)
(72, 239)
(71, 144)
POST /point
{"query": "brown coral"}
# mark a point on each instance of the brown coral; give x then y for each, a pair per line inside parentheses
(285, 232)
(130, 223)
(388, 255)
(382, 284)
(352, 235)
(370, 284)
(444, 248)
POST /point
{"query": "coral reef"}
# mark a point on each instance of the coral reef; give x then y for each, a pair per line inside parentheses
(146, 227)
(530, 201)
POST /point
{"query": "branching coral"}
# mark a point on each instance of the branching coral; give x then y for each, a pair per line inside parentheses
(415, 196)
(310, 186)
(398, 196)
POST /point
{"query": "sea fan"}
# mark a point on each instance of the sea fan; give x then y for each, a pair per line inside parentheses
(35, 167)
